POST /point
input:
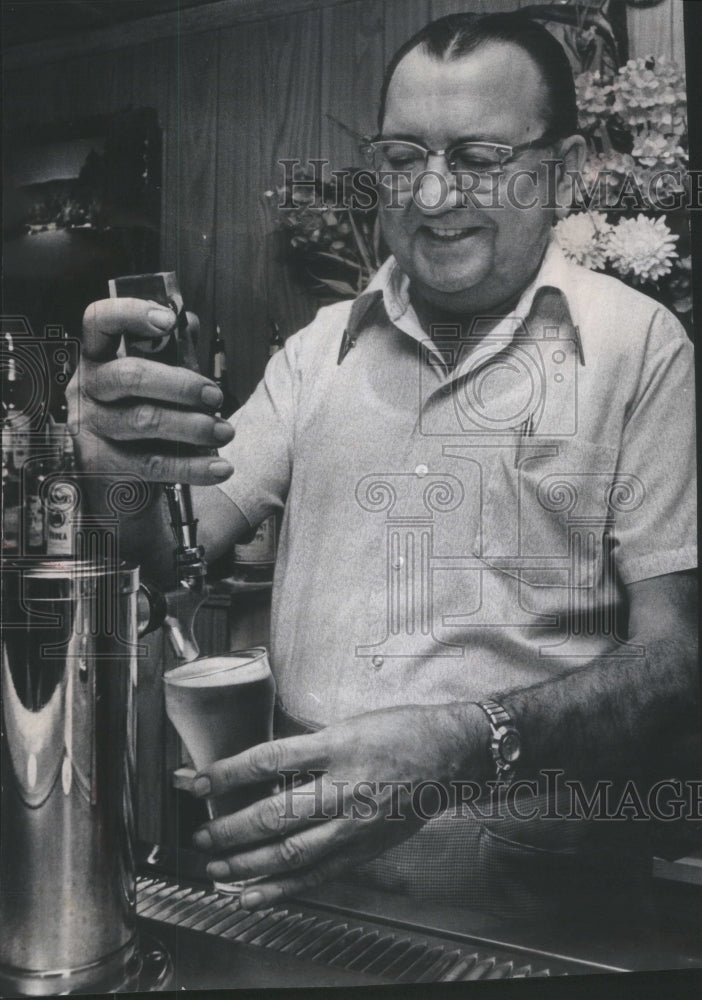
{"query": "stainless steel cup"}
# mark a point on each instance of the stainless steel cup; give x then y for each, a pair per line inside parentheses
(67, 875)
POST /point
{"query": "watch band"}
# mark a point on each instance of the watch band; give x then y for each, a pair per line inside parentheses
(504, 744)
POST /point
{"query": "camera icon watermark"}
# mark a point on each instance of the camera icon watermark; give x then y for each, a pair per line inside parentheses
(41, 366)
(521, 377)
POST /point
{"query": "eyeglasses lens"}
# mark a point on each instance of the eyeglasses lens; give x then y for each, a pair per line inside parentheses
(475, 157)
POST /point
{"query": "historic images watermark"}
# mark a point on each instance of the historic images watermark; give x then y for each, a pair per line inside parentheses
(550, 188)
(549, 796)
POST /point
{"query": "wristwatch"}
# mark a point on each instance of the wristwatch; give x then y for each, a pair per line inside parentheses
(505, 743)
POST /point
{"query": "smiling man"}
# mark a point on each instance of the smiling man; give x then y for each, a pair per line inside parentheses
(468, 260)
(485, 464)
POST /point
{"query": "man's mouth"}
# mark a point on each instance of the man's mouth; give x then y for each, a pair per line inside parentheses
(444, 234)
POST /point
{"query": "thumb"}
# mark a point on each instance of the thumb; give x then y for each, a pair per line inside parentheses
(105, 321)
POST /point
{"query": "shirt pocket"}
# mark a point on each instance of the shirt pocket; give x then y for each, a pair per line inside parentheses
(545, 516)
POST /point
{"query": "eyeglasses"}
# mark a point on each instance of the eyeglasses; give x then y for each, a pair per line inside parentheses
(463, 157)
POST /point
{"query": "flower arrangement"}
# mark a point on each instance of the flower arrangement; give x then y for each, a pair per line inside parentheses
(635, 128)
(333, 248)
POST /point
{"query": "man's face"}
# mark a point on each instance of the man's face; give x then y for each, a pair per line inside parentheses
(468, 257)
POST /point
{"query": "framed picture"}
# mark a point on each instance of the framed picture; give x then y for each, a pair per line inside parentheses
(82, 204)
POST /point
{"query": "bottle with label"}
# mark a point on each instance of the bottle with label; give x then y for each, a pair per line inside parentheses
(11, 497)
(14, 415)
(34, 513)
(255, 560)
(57, 484)
(62, 508)
(15, 451)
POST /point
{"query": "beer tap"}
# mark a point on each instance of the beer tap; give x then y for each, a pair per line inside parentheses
(183, 603)
(175, 348)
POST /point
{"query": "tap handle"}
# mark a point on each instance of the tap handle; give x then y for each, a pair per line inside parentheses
(183, 521)
(175, 348)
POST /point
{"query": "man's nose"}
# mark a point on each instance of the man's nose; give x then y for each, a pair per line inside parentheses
(434, 189)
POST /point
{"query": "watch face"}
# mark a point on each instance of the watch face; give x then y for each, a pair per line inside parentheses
(510, 746)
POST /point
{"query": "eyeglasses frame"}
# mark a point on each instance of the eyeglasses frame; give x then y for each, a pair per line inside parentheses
(369, 145)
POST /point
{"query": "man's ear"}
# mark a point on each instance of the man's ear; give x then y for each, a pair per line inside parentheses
(573, 151)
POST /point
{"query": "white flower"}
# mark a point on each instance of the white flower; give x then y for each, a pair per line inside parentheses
(650, 93)
(593, 99)
(642, 247)
(652, 149)
(584, 238)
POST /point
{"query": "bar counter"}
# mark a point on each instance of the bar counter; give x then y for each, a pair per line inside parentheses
(348, 935)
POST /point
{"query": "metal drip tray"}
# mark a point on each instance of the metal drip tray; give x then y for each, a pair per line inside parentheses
(317, 936)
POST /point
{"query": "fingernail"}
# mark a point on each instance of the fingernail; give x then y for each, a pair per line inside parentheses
(162, 319)
(202, 786)
(223, 432)
(249, 900)
(202, 839)
(220, 469)
(211, 396)
(218, 869)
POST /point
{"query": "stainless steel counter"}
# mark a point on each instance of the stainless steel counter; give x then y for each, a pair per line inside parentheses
(346, 935)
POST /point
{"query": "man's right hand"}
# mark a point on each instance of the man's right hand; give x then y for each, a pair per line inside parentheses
(130, 414)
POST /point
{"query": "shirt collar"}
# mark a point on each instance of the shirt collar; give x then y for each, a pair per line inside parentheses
(554, 273)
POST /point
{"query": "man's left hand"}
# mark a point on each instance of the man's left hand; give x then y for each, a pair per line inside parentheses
(353, 777)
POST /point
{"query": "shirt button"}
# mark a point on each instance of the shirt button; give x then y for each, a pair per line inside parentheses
(421, 471)
(377, 662)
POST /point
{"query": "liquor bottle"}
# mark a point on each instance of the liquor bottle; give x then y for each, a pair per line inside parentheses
(219, 375)
(15, 450)
(59, 412)
(62, 497)
(17, 420)
(11, 494)
(276, 341)
(62, 508)
(255, 560)
(35, 520)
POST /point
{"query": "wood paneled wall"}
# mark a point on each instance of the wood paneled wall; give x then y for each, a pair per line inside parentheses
(657, 30)
(232, 101)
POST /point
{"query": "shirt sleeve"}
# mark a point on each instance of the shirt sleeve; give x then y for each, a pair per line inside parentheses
(654, 498)
(261, 450)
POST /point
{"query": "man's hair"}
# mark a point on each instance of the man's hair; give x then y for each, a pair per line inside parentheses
(459, 34)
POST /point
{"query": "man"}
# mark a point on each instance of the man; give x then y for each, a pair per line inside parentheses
(485, 464)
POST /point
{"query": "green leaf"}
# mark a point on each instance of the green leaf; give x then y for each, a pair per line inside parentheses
(336, 258)
(340, 287)
(360, 243)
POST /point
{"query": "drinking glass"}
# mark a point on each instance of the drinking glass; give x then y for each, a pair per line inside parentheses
(221, 705)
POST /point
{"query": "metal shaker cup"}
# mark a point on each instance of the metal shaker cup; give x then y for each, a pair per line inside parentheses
(67, 753)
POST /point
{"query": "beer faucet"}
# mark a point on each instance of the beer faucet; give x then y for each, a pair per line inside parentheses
(183, 603)
(174, 348)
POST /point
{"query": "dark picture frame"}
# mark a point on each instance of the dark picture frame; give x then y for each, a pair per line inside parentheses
(82, 204)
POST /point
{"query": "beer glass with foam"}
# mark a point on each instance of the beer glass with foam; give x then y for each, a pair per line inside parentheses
(220, 706)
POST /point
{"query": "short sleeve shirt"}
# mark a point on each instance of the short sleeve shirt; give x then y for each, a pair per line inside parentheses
(452, 530)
